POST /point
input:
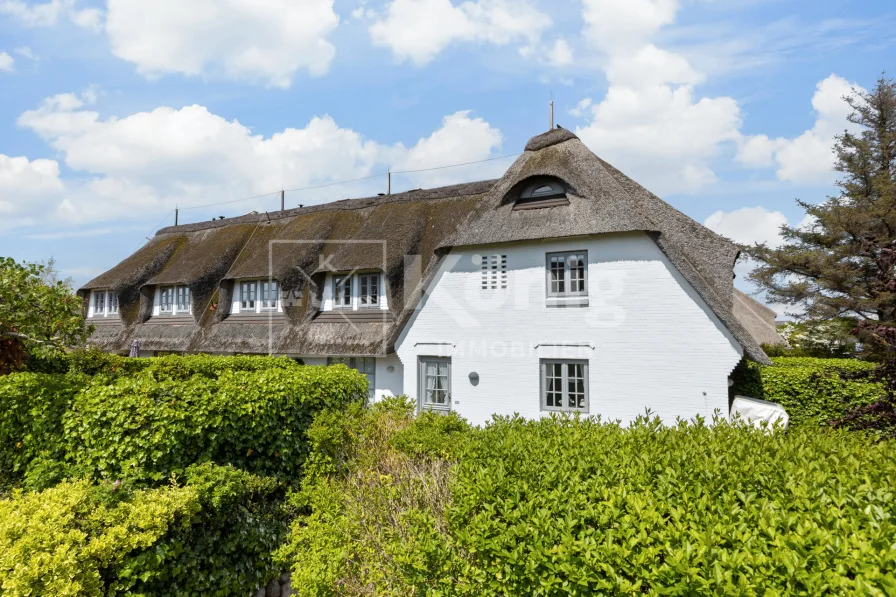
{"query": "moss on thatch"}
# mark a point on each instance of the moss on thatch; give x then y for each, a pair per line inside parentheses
(298, 246)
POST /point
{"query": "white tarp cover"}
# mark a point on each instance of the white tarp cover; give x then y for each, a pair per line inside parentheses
(756, 411)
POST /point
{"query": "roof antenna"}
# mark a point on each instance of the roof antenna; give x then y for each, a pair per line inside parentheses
(552, 111)
(389, 181)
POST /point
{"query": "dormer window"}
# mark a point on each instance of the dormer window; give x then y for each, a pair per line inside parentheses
(174, 300)
(256, 296)
(542, 191)
(103, 303)
(355, 291)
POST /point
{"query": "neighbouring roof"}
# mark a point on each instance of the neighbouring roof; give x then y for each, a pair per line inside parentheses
(293, 245)
(758, 319)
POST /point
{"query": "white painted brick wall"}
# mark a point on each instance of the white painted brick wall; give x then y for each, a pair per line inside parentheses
(656, 343)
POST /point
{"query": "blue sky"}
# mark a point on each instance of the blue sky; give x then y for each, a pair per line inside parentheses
(113, 113)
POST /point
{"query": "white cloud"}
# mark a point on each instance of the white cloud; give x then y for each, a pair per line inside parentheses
(47, 14)
(6, 62)
(25, 52)
(652, 123)
(582, 108)
(148, 162)
(27, 189)
(417, 30)
(560, 53)
(808, 158)
(240, 39)
(613, 24)
(750, 225)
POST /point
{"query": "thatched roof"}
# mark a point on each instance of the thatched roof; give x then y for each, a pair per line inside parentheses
(209, 256)
(758, 319)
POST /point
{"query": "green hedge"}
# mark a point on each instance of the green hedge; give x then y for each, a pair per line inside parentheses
(213, 535)
(813, 391)
(31, 409)
(567, 506)
(158, 422)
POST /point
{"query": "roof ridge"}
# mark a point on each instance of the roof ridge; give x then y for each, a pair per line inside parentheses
(354, 203)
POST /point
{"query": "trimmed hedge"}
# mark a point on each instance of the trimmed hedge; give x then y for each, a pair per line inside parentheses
(162, 420)
(31, 409)
(568, 506)
(812, 391)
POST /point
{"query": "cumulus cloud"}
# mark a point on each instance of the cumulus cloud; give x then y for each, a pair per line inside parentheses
(750, 225)
(560, 54)
(27, 188)
(808, 158)
(268, 41)
(47, 14)
(148, 162)
(652, 123)
(6, 62)
(417, 30)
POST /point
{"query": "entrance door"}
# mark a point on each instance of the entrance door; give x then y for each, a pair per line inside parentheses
(435, 383)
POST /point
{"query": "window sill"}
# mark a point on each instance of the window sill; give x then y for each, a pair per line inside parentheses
(566, 301)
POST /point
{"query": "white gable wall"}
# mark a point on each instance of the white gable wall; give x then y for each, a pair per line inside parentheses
(650, 341)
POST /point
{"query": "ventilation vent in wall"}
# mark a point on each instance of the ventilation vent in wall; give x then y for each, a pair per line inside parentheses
(494, 272)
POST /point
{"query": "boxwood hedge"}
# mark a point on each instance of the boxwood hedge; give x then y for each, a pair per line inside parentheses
(813, 391)
(568, 506)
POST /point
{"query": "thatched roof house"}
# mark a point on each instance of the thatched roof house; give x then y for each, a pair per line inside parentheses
(407, 237)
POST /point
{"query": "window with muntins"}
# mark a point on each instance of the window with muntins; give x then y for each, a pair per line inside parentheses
(365, 365)
(369, 290)
(99, 303)
(166, 299)
(435, 383)
(269, 292)
(248, 295)
(342, 292)
(564, 385)
(183, 299)
(113, 303)
(494, 272)
(567, 274)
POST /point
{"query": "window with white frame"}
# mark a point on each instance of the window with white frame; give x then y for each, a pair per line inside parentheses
(270, 291)
(365, 365)
(248, 295)
(166, 299)
(494, 272)
(174, 300)
(369, 289)
(112, 304)
(99, 303)
(183, 298)
(567, 274)
(342, 292)
(435, 383)
(564, 385)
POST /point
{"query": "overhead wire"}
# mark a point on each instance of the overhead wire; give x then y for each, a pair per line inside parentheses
(339, 182)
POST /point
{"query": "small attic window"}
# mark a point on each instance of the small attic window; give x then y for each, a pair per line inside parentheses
(542, 192)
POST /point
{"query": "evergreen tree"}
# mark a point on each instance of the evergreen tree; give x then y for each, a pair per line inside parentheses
(843, 264)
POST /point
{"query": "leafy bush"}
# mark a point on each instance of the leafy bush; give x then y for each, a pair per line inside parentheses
(568, 506)
(367, 503)
(66, 540)
(160, 421)
(31, 409)
(813, 391)
(214, 536)
(226, 549)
